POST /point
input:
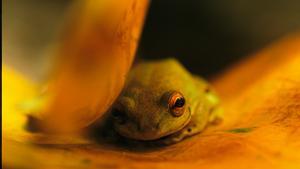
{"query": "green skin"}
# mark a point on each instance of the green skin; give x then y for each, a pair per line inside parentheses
(147, 115)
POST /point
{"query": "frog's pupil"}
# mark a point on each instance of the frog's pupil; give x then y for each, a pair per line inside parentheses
(179, 102)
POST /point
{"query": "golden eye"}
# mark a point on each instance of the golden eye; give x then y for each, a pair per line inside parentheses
(176, 104)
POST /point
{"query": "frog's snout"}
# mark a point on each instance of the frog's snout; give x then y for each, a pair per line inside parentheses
(121, 110)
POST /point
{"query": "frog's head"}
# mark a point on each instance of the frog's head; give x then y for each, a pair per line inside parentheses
(150, 116)
(154, 102)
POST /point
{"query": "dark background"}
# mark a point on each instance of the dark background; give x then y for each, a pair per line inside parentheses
(205, 35)
(208, 35)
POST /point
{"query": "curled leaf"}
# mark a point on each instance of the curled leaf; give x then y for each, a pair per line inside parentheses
(97, 48)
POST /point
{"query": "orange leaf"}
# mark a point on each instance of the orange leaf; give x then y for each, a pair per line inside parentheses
(97, 48)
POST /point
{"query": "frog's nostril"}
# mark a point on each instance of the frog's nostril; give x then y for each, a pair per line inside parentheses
(119, 116)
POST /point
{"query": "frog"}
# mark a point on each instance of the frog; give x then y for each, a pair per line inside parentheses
(163, 101)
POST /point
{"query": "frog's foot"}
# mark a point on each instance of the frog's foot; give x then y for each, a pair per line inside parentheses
(188, 131)
(216, 116)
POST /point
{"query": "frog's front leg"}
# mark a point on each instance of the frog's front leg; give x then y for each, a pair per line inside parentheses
(191, 129)
(197, 124)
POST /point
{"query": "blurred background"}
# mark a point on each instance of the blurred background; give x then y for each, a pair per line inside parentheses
(206, 36)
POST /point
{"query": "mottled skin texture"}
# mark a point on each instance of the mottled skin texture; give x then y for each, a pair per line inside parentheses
(146, 115)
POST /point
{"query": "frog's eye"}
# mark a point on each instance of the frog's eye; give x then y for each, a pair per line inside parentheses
(176, 104)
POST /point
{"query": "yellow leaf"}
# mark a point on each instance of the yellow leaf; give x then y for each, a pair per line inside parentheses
(16, 89)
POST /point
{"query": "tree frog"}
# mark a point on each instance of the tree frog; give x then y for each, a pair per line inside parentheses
(161, 100)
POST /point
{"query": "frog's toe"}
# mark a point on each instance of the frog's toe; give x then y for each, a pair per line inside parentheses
(216, 116)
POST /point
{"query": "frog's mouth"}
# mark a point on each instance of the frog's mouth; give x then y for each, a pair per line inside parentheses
(130, 130)
(186, 122)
